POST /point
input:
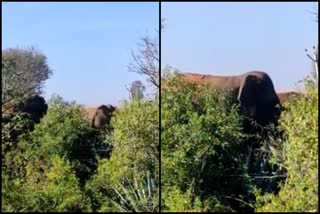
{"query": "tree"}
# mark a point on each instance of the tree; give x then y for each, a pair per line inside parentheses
(23, 74)
(146, 62)
(315, 59)
(136, 90)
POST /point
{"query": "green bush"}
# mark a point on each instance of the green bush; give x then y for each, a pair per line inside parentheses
(58, 190)
(51, 163)
(64, 132)
(136, 140)
(14, 128)
(203, 148)
(129, 181)
(178, 201)
(298, 154)
(62, 164)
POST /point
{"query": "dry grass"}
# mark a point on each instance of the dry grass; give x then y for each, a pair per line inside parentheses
(91, 111)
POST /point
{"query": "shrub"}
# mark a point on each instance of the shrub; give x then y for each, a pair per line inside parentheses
(202, 145)
(57, 191)
(14, 128)
(64, 132)
(136, 140)
(298, 153)
(129, 181)
(53, 162)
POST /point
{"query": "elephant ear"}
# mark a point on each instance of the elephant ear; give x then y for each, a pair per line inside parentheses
(246, 96)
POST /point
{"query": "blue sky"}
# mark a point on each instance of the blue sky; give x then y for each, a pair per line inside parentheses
(88, 45)
(233, 38)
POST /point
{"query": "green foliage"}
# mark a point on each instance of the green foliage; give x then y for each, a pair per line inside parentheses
(62, 165)
(44, 170)
(99, 189)
(127, 194)
(29, 73)
(23, 74)
(7, 67)
(177, 201)
(137, 195)
(58, 191)
(202, 147)
(299, 155)
(11, 94)
(14, 128)
(64, 132)
(136, 140)
(129, 181)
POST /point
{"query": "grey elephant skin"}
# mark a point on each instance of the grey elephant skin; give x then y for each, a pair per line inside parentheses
(254, 91)
(102, 116)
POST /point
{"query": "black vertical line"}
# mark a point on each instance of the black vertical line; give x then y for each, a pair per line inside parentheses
(160, 106)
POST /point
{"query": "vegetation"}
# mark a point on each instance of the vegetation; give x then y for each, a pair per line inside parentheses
(62, 164)
(298, 154)
(23, 74)
(202, 149)
(146, 61)
(136, 90)
(53, 160)
(204, 154)
(132, 171)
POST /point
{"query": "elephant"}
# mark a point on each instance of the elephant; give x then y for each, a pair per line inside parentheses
(102, 116)
(253, 91)
(285, 96)
(258, 102)
(35, 106)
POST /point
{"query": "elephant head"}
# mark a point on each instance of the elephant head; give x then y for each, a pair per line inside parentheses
(254, 91)
(102, 116)
(258, 99)
(34, 106)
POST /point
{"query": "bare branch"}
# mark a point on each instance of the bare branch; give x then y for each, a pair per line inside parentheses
(146, 62)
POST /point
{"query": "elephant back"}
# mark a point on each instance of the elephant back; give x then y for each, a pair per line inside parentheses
(284, 96)
(214, 81)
